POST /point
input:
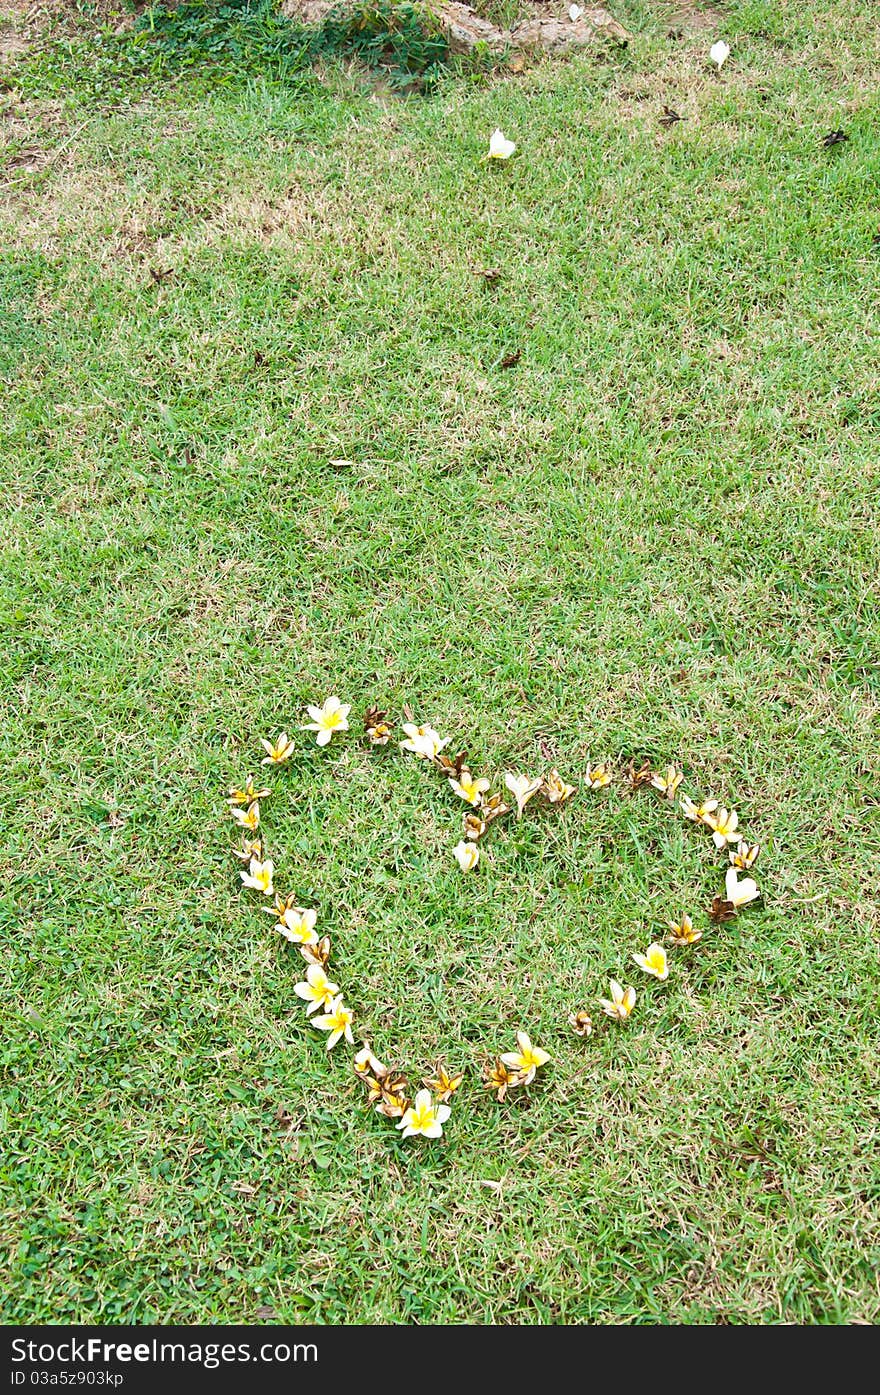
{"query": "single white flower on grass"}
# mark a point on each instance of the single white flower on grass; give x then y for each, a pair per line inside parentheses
(470, 789)
(298, 926)
(467, 855)
(740, 891)
(277, 752)
(654, 962)
(526, 1060)
(337, 1022)
(555, 789)
(621, 1003)
(723, 824)
(682, 932)
(574, 13)
(258, 877)
(581, 1023)
(744, 855)
(248, 818)
(423, 741)
(316, 989)
(697, 813)
(331, 717)
(668, 781)
(598, 776)
(522, 788)
(500, 148)
(424, 1117)
(248, 795)
(719, 53)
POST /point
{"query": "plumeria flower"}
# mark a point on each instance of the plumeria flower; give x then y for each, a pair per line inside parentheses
(581, 1023)
(248, 795)
(377, 729)
(424, 1117)
(277, 752)
(723, 824)
(331, 717)
(682, 932)
(423, 741)
(719, 54)
(622, 1001)
(744, 855)
(316, 990)
(389, 1096)
(467, 855)
(253, 847)
(494, 808)
(298, 926)
(697, 813)
(337, 1022)
(474, 826)
(721, 910)
(500, 1079)
(668, 781)
(574, 13)
(740, 891)
(258, 877)
(470, 789)
(598, 776)
(316, 951)
(555, 789)
(248, 818)
(366, 1063)
(654, 962)
(443, 1084)
(526, 1060)
(522, 788)
(500, 148)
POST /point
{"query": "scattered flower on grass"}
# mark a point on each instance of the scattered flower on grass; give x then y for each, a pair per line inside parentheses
(744, 855)
(581, 1023)
(248, 818)
(316, 951)
(522, 788)
(719, 54)
(500, 1079)
(740, 891)
(258, 877)
(377, 729)
(494, 808)
(253, 847)
(277, 752)
(723, 824)
(668, 781)
(474, 826)
(622, 1001)
(451, 766)
(500, 148)
(555, 789)
(298, 925)
(526, 1060)
(639, 775)
(467, 855)
(443, 1084)
(598, 776)
(574, 13)
(248, 795)
(330, 717)
(470, 789)
(654, 962)
(389, 1095)
(337, 1022)
(316, 989)
(682, 932)
(697, 813)
(424, 1117)
(721, 910)
(423, 741)
(366, 1063)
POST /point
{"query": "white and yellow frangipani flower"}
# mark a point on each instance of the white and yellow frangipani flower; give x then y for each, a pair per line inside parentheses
(740, 890)
(527, 1059)
(253, 847)
(337, 1021)
(258, 877)
(423, 741)
(500, 1079)
(466, 787)
(277, 752)
(330, 717)
(522, 787)
(555, 789)
(316, 989)
(667, 781)
(581, 1023)
(500, 148)
(367, 1063)
(654, 962)
(598, 776)
(621, 1003)
(719, 53)
(682, 932)
(298, 925)
(723, 824)
(442, 1083)
(697, 813)
(474, 826)
(744, 855)
(467, 855)
(424, 1117)
(248, 818)
(248, 795)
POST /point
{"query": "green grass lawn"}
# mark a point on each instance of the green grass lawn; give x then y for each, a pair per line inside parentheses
(257, 447)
